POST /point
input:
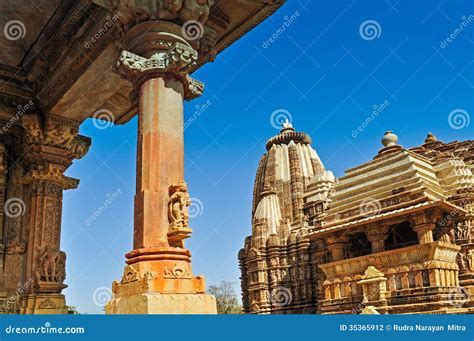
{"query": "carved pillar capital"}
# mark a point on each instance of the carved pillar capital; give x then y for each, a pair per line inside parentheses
(376, 234)
(53, 140)
(51, 173)
(176, 60)
(336, 246)
(423, 223)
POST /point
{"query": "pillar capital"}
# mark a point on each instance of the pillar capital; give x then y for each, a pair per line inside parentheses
(154, 49)
(376, 234)
(175, 60)
(336, 245)
(423, 223)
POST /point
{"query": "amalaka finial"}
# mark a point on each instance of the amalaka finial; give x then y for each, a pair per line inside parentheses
(389, 139)
(430, 138)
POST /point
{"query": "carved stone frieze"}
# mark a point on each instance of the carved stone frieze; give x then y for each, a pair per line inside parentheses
(55, 132)
(14, 247)
(51, 173)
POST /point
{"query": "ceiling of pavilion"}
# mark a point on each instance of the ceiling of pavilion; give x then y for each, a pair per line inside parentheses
(45, 57)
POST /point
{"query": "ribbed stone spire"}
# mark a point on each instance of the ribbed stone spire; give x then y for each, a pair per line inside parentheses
(268, 210)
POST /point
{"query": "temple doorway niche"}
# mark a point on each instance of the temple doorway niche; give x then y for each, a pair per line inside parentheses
(400, 235)
(358, 245)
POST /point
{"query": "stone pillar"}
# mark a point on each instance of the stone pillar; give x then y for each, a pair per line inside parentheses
(158, 277)
(337, 246)
(423, 224)
(50, 148)
(376, 234)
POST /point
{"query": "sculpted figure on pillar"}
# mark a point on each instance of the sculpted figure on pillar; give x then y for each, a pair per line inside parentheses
(178, 206)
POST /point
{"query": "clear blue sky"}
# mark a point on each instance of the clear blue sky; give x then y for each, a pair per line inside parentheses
(326, 75)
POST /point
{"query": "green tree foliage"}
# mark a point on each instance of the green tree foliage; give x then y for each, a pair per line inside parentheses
(227, 302)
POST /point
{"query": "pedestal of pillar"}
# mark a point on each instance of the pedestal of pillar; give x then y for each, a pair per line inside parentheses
(44, 304)
(174, 304)
(160, 281)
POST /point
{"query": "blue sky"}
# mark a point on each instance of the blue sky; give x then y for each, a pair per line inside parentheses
(322, 73)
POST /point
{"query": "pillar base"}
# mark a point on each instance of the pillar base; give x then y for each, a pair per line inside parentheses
(44, 304)
(160, 281)
(163, 304)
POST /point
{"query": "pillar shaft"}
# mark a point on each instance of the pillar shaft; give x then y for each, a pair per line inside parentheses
(160, 158)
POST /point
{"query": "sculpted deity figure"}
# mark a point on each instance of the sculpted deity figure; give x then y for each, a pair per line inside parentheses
(49, 264)
(462, 259)
(470, 260)
(178, 214)
(461, 231)
(34, 133)
(60, 273)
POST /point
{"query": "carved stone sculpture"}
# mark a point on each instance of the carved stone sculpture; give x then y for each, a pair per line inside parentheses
(178, 206)
(52, 265)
